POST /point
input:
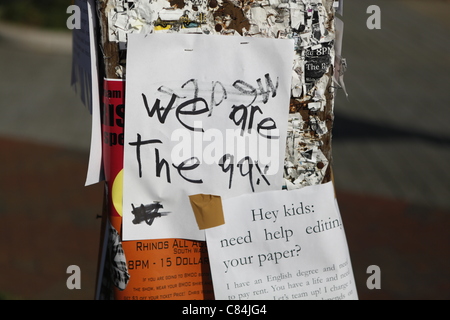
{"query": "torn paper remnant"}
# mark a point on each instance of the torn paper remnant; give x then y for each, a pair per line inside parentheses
(309, 22)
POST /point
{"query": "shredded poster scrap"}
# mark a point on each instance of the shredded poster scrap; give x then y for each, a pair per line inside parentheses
(85, 83)
(205, 114)
(281, 244)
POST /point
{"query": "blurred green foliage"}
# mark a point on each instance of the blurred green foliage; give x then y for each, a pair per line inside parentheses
(40, 13)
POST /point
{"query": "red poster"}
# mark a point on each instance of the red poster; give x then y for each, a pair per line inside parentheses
(164, 269)
(113, 119)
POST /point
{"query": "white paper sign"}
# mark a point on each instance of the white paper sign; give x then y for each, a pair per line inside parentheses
(281, 245)
(205, 114)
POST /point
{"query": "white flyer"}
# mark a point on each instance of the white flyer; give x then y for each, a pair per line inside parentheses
(286, 245)
(85, 83)
(204, 114)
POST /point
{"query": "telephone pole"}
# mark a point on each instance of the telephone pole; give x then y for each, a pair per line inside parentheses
(308, 159)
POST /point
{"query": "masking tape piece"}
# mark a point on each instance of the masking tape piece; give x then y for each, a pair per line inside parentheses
(207, 210)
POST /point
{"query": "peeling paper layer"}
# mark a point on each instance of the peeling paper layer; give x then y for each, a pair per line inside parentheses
(317, 69)
(308, 22)
(305, 164)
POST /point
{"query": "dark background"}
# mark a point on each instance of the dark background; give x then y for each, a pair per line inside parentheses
(42, 13)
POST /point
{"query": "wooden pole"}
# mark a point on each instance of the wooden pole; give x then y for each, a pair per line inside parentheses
(109, 54)
(108, 60)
